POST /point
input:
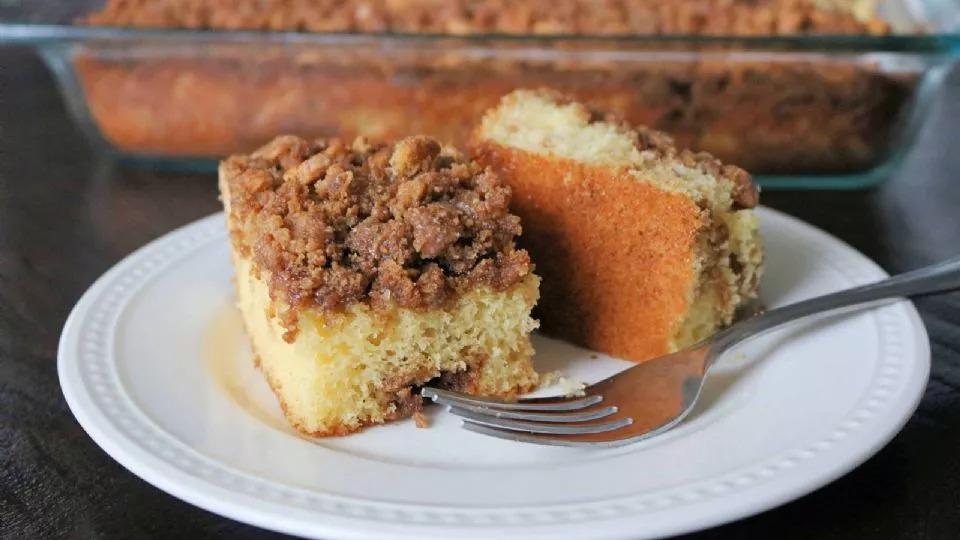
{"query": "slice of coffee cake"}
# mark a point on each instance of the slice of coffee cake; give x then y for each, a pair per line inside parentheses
(366, 270)
(643, 248)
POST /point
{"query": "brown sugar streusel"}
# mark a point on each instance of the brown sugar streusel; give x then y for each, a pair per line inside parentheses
(411, 224)
(464, 17)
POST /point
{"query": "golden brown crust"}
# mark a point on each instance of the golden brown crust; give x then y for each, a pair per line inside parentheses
(611, 17)
(588, 246)
(411, 224)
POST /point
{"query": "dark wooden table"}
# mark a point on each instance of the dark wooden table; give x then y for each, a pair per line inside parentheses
(66, 215)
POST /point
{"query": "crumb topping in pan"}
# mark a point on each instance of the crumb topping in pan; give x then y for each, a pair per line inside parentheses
(543, 17)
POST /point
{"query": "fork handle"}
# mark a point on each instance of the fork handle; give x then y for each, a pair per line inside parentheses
(937, 278)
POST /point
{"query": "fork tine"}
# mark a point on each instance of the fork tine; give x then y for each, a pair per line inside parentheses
(447, 397)
(537, 427)
(555, 417)
(549, 440)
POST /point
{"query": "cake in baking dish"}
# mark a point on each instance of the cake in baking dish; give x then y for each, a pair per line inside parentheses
(777, 113)
(643, 248)
(364, 271)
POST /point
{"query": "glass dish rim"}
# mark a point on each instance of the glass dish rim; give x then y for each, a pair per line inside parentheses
(39, 34)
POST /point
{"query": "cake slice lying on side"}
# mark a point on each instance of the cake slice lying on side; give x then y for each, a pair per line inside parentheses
(364, 271)
(643, 248)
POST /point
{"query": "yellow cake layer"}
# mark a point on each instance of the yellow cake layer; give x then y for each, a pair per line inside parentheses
(347, 370)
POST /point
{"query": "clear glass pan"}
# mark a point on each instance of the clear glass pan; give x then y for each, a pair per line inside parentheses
(798, 111)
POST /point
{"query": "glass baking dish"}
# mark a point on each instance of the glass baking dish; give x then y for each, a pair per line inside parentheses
(798, 111)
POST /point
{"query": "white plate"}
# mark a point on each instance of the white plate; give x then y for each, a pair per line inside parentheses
(154, 366)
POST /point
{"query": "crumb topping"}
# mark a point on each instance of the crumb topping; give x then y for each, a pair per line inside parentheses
(610, 17)
(411, 224)
(745, 193)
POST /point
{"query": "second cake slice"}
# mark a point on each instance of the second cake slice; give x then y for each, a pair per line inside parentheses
(643, 248)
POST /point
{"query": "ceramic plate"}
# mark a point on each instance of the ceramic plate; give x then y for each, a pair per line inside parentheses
(154, 365)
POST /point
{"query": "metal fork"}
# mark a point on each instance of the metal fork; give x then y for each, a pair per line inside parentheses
(653, 397)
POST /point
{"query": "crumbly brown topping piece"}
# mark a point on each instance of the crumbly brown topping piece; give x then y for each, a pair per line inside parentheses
(413, 223)
(610, 17)
(745, 193)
